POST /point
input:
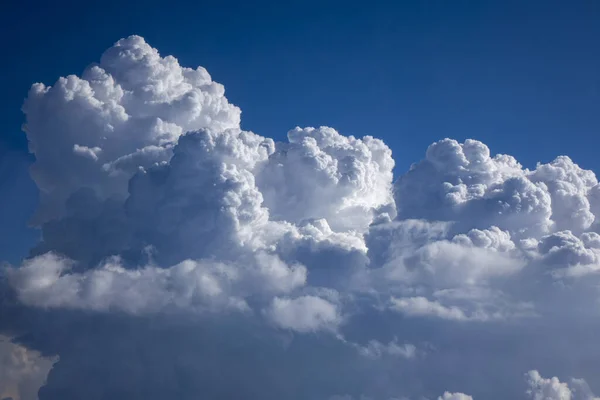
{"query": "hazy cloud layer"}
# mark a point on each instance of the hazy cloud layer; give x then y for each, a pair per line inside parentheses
(182, 257)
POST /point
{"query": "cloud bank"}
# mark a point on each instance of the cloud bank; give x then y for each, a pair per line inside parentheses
(184, 257)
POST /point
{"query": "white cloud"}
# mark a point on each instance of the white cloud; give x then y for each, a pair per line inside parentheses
(553, 389)
(422, 307)
(22, 371)
(570, 256)
(455, 396)
(320, 173)
(48, 281)
(463, 182)
(158, 211)
(304, 314)
(85, 151)
(133, 99)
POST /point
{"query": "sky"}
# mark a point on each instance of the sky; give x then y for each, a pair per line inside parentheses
(303, 200)
(507, 73)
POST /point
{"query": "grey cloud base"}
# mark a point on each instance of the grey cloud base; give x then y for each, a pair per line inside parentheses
(182, 257)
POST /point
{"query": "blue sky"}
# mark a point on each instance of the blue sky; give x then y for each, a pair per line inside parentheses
(523, 77)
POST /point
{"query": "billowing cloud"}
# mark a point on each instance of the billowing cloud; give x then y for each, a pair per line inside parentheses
(553, 389)
(304, 314)
(134, 104)
(322, 174)
(182, 256)
(462, 182)
(421, 306)
(46, 281)
(22, 371)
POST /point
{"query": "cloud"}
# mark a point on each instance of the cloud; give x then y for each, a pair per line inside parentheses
(455, 396)
(304, 314)
(376, 349)
(552, 389)
(132, 100)
(85, 151)
(445, 396)
(323, 174)
(182, 256)
(47, 281)
(22, 371)
(569, 255)
(421, 306)
(462, 182)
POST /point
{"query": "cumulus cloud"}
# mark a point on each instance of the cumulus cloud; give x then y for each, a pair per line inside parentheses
(568, 255)
(455, 396)
(553, 389)
(22, 371)
(322, 174)
(462, 182)
(304, 314)
(421, 306)
(49, 281)
(183, 256)
(132, 100)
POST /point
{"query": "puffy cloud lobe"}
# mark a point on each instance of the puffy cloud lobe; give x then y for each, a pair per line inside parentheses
(435, 274)
(421, 306)
(568, 255)
(553, 389)
(498, 222)
(466, 259)
(568, 186)
(133, 104)
(304, 314)
(322, 174)
(461, 182)
(420, 252)
(335, 259)
(46, 281)
(22, 371)
(450, 176)
(204, 202)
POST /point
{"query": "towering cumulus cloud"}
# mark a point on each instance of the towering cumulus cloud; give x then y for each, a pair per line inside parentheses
(182, 257)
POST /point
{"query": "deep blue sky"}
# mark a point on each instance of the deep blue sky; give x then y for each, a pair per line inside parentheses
(522, 76)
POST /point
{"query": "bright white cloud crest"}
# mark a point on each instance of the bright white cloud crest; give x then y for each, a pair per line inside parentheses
(155, 203)
(553, 389)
